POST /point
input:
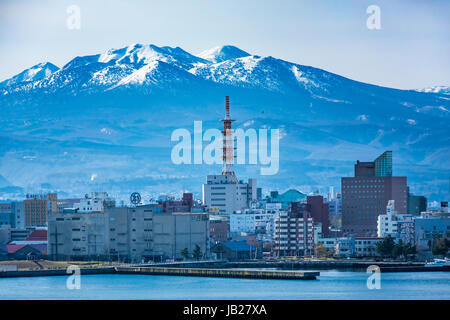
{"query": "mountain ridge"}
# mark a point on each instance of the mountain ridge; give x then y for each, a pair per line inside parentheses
(89, 115)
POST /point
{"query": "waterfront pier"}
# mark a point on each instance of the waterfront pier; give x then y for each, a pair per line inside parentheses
(222, 273)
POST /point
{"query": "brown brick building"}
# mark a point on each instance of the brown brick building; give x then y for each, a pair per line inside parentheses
(366, 195)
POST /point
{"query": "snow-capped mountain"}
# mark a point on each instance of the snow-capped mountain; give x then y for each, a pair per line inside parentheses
(35, 73)
(104, 121)
(222, 53)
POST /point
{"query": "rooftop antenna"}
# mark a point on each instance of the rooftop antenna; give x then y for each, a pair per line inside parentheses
(228, 148)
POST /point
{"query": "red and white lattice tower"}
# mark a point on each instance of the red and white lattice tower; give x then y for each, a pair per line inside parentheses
(228, 144)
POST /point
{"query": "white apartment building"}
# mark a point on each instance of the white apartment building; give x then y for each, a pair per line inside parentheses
(398, 226)
(251, 221)
(221, 193)
(95, 203)
(387, 224)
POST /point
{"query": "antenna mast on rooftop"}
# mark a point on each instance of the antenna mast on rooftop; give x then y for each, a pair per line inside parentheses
(228, 144)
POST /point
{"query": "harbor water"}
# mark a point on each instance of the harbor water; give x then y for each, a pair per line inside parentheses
(331, 284)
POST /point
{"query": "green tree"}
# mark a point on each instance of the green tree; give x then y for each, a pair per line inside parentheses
(398, 249)
(185, 253)
(197, 253)
(385, 247)
(440, 246)
(409, 249)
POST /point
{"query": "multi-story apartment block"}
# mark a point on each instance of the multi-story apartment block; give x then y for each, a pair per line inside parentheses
(250, 221)
(38, 207)
(398, 226)
(294, 234)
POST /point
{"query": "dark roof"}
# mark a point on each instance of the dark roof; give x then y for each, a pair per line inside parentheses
(238, 245)
(42, 247)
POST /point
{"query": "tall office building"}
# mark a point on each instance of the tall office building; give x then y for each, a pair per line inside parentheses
(416, 204)
(366, 195)
(383, 165)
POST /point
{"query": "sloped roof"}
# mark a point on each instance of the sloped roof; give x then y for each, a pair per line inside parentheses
(12, 248)
(41, 247)
(37, 235)
(291, 195)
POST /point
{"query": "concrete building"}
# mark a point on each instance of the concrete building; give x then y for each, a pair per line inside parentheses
(127, 234)
(78, 236)
(416, 204)
(335, 211)
(220, 191)
(218, 229)
(185, 204)
(294, 233)
(428, 228)
(5, 234)
(366, 246)
(251, 221)
(274, 209)
(365, 196)
(345, 246)
(38, 207)
(5, 213)
(20, 234)
(398, 226)
(18, 215)
(94, 203)
(319, 212)
(173, 232)
(64, 204)
(387, 223)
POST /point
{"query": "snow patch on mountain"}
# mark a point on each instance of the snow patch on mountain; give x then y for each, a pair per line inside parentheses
(436, 89)
(222, 53)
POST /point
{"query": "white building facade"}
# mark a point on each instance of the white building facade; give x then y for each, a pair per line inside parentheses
(222, 193)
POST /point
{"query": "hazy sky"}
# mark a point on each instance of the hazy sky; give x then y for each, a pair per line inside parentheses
(411, 50)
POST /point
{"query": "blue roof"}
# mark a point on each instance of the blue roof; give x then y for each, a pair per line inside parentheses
(238, 245)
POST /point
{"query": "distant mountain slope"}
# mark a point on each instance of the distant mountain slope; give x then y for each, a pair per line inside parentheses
(104, 122)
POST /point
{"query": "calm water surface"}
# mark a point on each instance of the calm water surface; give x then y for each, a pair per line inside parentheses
(330, 285)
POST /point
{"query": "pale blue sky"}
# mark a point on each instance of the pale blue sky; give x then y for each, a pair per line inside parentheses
(410, 51)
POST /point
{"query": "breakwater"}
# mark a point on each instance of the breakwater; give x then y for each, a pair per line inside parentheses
(222, 273)
(306, 265)
(54, 272)
(338, 265)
